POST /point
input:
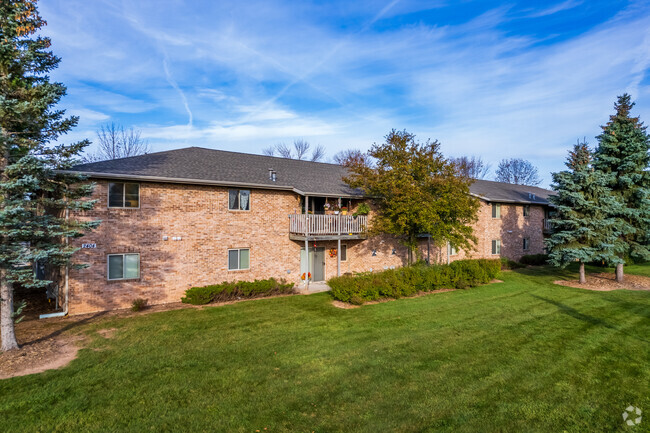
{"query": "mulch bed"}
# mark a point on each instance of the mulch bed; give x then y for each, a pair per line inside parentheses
(605, 282)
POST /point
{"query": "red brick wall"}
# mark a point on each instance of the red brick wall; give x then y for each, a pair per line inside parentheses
(511, 229)
(199, 215)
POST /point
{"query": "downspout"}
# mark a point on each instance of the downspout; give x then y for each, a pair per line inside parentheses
(66, 285)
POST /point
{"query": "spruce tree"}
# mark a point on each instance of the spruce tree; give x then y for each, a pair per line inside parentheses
(623, 157)
(584, 229)
(36, 195)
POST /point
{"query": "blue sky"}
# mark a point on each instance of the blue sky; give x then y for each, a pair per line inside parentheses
(496, 80)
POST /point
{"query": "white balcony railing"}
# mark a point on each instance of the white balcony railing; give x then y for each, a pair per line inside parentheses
(311, 225)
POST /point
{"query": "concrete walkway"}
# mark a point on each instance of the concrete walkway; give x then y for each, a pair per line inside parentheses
(320, 286)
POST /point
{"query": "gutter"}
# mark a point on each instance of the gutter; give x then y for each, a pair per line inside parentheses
(510, 201)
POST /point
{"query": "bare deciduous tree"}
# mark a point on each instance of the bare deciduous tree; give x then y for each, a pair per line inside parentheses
(517, 171)
(299, 150)
(471, 166)
(116, 142)
(350, 157)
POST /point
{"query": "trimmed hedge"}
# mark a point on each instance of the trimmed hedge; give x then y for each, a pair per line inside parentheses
(534, 259)
(235, 290)
(407, 281)
(508, 265)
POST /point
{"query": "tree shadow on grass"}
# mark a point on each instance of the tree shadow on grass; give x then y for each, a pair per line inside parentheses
(71, 325)
(632, 307)
(570, 311)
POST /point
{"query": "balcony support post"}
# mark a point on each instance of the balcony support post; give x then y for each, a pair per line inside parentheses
(338, 248)
(307, 241)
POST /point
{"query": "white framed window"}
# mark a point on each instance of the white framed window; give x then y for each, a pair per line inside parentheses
(526, 210)
(451, 249)
(344, 252)
(526, 244)
(123, 195)
(496, 247)
(239, 199)
(123, 266)
(239, 259)
(496, 210)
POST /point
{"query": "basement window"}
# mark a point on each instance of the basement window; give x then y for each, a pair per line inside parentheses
(123, 195)
(496, 210)
(239, 199)
(123, 266)
(239, 259)
(496, 247)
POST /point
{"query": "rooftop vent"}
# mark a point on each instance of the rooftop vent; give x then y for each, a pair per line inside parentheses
(273, 176)
(531, 196)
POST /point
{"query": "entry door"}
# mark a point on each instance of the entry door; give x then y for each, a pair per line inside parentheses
(318, 273)
(316, 263)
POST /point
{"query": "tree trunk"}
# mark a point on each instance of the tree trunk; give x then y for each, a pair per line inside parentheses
(583, 279)
(7, 331)
(619, 273)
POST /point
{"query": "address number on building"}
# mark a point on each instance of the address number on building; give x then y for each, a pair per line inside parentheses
(88, 245)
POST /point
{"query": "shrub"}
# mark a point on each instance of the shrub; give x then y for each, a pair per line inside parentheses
(508, 264)
(139, 304)
(407, 281)
(236, 290)
(534, 259)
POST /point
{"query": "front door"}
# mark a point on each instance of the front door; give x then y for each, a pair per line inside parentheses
(318, 266)
(316, 263)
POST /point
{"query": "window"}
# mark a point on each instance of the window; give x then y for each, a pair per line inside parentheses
(344, 253)
(526, 244)
(239, 199)
(496, 247)
(123, 266)
(451, 249)
(239, 259)
(122, 194)
(526, 210)
(496, 210)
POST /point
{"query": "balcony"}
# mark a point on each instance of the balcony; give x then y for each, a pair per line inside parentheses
(327, 227)
(547, 227)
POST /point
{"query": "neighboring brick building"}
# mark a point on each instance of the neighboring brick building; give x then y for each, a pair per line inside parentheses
(172, 220)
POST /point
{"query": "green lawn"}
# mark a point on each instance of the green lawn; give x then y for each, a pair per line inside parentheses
(520, 356)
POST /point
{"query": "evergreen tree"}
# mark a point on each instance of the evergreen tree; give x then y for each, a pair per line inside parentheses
(416, 191)
(36, 195)
(623, 156)
(584, 228)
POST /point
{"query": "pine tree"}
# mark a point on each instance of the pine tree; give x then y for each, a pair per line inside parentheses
(36, 195)
(584, 229)
(623, 156)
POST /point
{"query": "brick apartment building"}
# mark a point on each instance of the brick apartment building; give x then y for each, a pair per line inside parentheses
(190, 217)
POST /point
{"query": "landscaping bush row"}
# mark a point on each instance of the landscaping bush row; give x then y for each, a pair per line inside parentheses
(406, 281)
(236, 289)
(534, 259)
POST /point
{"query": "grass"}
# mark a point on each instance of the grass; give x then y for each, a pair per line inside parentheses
(523, 355)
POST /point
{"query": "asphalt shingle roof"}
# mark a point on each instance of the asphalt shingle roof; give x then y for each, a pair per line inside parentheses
(201, 165)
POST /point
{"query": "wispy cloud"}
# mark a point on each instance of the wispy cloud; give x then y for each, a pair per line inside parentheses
(492, 80)
(173, 83)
